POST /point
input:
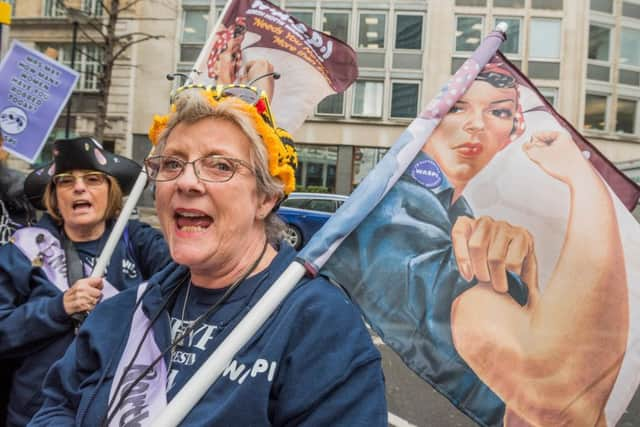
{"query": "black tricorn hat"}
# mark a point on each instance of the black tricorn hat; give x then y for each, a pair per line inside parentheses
(80, 153)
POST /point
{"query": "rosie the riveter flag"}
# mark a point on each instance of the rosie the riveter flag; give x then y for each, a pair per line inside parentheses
(255, 38)
(492, 250)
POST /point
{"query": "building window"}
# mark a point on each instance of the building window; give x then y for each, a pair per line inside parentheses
(598, 67)
(336, 24)
(408, 32)
(599, 42)
(512, 44)
(54, 8)
(605, 6)
(371, 30)
(364, 160)
(595, 112)
(544, 38)
(367, 99)
(404, 100)
(471, 2)
(332, 105)
(316, 168)
(550, 94)
(306, 17)
(88, 63)
(631, 10)
(508, 3)
(626, 116)
(92, 7)
(194, 33)
(546, 4)
(468, 33)
(630, 47)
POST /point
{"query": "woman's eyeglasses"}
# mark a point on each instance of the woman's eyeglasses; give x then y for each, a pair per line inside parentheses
(90, 179)
(211, 168)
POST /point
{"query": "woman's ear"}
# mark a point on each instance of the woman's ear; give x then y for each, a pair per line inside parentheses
(266, 206)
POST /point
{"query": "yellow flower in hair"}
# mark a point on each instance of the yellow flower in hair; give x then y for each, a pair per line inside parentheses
(157, 126)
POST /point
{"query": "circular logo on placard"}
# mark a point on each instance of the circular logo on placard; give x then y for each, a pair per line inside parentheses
(13, 120)
(427, 172)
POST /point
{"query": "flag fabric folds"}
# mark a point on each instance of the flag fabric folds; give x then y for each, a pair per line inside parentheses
(493, 250)
(256, 38)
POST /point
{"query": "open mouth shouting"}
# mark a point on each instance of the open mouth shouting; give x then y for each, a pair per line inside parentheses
(81, 206)
(192, 220)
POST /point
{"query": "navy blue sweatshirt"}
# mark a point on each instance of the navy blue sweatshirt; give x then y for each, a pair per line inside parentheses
(35, 330)
(312, 363)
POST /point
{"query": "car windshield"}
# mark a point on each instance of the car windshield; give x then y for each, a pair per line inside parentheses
(322, 205)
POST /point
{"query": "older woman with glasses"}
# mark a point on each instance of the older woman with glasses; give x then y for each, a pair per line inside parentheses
(44, 288)
(221, 169)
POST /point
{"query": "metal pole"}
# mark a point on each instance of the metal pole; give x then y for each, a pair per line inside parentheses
(73, 63)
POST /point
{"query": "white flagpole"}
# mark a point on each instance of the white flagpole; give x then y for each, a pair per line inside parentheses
(118, 228)
(204, 53)
(214, 366)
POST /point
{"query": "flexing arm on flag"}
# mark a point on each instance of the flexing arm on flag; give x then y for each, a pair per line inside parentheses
(563, 349)
(405, 265)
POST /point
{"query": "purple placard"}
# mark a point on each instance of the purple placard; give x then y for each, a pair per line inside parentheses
(33, 91)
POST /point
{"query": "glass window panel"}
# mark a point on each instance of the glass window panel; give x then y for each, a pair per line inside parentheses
(404, 100)
(544, 38)
(314, 174)
(626, 116)
(468, 32)
(630, 47)
(409, 32)
(595, 113)
(456, 63)
(92, 7)
(512, 44)
(367, 99)
(53, 8)
(371, 30)
(336, 24)
(508, 3)
(628, 77)
(599, 42)
(544, 70)
(316, 168)
(598, 72)
(364, 160)
(631, 10)
(189, 53)
(331, 183)
(332, 104)
(605, 6)
(547, 4)
(471, 2)
(194, 29)
(306, 17)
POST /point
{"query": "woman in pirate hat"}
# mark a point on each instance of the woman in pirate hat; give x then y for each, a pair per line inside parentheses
(44, 286)
(221, 167)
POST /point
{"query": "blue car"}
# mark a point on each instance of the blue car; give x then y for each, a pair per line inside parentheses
(305, 213)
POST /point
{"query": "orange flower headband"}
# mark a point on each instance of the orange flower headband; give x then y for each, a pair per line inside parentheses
(283, 159)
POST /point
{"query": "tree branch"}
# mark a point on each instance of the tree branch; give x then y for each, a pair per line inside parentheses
(126, 46)
(118, 39)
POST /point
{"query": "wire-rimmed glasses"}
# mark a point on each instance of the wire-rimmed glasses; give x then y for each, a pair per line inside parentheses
(90, 179)
(212, 168)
